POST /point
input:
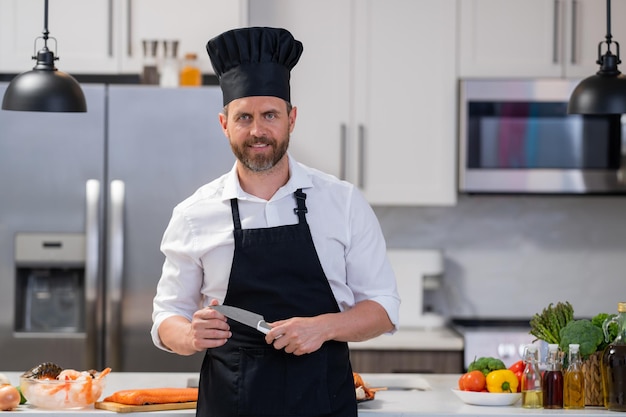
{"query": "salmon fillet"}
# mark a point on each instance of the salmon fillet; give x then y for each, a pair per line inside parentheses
(153, 396)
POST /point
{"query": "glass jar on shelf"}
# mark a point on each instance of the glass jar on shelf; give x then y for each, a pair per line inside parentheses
(190, 74)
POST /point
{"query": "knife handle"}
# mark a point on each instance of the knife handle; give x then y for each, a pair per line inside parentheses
(263, 327)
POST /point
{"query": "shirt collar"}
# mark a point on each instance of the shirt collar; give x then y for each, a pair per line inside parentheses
(298, 178)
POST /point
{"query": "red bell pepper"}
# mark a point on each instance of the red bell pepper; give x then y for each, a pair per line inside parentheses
(518, 370)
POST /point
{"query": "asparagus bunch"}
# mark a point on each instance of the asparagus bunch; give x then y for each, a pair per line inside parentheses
(547, 325)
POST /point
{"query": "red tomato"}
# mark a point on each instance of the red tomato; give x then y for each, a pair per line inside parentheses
(472, 381)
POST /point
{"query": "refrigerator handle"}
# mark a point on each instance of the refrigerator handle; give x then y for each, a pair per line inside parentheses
(92, 255)
(115, 267)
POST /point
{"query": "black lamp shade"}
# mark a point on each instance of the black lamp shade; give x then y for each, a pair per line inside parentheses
(44, 89)
(599, 94)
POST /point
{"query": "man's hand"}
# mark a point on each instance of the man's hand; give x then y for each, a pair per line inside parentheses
(298, 335)
(207, 329)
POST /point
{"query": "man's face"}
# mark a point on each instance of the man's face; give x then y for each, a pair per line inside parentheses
(258, 129)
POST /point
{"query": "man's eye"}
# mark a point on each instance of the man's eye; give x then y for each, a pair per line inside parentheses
(244, 117)
(270, 116)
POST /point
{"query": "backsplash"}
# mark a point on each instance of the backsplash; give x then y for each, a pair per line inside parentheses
(511, 256)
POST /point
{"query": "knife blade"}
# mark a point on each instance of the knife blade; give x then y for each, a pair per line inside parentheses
(256, 321)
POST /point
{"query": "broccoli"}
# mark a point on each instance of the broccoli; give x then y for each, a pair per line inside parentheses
(598, 321)
(584, 333)
(486, 365)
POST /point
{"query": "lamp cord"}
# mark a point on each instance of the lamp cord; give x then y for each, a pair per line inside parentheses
(45, 24)
(608, 23)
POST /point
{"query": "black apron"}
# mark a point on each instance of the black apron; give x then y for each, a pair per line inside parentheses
(276, 272)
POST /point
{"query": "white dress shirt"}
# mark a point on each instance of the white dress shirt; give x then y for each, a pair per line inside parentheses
(198, 242)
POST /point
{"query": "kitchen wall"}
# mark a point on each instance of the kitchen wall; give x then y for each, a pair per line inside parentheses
(510, 256)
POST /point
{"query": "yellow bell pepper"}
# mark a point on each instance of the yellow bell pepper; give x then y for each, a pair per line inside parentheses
(502, 380)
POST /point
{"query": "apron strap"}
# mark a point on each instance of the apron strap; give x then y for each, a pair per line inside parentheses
(301, 209)
(234, 209)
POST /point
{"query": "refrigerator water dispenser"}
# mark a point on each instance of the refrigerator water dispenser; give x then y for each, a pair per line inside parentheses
(50, 285)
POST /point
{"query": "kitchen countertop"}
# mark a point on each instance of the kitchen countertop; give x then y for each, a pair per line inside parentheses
(438, 338)
(436, 400)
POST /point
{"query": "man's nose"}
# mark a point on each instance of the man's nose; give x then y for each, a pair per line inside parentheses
(258, 128)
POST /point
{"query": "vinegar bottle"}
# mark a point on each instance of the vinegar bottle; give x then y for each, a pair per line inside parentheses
(553, 379)
(614, 363)
(190, 74)
(574, 388)
(532, 395)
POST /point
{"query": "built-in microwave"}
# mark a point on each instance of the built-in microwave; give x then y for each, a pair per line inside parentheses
(515, 136)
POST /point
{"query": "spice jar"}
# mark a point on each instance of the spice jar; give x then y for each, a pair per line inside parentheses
(190, 74)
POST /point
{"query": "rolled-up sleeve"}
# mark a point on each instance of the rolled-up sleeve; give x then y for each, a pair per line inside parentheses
(368, 270)
(179, 289)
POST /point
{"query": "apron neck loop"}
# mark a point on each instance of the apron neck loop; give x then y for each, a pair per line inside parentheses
(301, 209)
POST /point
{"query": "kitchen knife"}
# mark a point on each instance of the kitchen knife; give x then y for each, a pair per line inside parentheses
(246, 317)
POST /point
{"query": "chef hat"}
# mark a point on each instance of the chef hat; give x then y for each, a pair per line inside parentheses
(254, 61)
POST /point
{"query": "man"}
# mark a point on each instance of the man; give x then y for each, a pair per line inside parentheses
(280, 239)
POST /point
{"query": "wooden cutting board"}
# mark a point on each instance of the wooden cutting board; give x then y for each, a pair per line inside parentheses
(125, 408)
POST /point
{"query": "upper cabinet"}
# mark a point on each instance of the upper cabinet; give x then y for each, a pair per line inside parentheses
(375, 91)
(83, 44)
(107, 35)
(534, 38)
(191, 22)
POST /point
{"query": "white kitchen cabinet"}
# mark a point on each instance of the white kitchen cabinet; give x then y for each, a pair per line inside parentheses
(376, 91)
(191, 22)
(534, 38)
(105, 36)
(85, 34)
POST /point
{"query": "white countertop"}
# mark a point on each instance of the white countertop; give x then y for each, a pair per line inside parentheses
(441, 338)
(435, 398)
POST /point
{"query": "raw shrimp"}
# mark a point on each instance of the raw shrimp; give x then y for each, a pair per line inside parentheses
(72, 389)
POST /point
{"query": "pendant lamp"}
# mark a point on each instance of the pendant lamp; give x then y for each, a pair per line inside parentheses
(45, 88)
(604, 92)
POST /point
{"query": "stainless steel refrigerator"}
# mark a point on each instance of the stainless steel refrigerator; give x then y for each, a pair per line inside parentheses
(84, 201)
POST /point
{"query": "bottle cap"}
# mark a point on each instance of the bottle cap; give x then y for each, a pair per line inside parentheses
(574, 347)
(553, 347)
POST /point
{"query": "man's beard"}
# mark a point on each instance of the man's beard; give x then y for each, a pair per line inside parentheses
(260, 162)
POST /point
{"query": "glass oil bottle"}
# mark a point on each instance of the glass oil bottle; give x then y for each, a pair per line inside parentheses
(574, 387)
(553, 379)
(532, 394)
(614, 363)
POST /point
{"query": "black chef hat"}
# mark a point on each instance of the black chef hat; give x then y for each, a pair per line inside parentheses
(254, 61)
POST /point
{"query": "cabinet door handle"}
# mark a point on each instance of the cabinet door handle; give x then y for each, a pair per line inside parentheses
(574, 57)
(361, 178)
(555, 33)
(129, 27)
(115, 274)
(110, 24)
(92, 272)
(343, 143)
